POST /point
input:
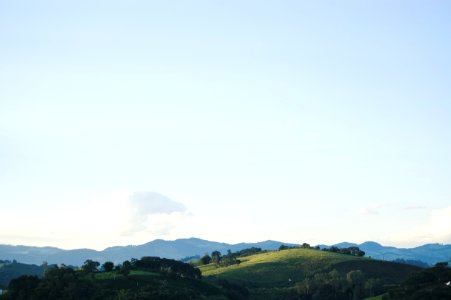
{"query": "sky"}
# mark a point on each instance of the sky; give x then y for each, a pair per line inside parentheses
(235, 121)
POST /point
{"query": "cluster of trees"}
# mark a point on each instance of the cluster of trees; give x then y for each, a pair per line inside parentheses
(169, 266)
(57, 283)
(432, 284)
(247, 252)
(231, 258)
(61, 282)
(355, 251)
(334, 285)
(146, 263)
(303, 246)
(220, 260)
(412, 262)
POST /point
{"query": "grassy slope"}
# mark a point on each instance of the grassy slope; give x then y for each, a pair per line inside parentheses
(375, 298)
(285, 268)
(275, 268)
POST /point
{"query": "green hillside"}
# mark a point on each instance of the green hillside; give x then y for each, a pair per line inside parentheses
(11, 270)
(298, 273)
(147, 278)
(140, 284)
(280, 274)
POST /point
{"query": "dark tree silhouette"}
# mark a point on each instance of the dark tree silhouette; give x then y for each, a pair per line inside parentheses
(108, 266)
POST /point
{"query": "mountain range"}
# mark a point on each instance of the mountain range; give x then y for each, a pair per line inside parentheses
(190, 247)
(428, 253)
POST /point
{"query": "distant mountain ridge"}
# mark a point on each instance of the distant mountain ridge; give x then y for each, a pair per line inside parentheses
(181, 248)
(177, 249)
(428, 253)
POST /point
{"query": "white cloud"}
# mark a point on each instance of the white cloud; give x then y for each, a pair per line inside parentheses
(370, 210)
(153, 213)
(437, 229)
(97, 221)
(440, 223)
(154, 203)
(414, 207)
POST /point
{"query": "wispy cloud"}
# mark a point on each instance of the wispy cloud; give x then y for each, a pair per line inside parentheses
(414, 207)
(370, 210)
(154, 203)
(153, 212)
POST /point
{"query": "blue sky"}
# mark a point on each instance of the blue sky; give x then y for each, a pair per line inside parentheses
(301, 121)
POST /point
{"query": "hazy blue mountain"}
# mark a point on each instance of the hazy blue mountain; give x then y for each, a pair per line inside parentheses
(345, 245)
(181, 248)
(27, 254)
(177, 249)
(429, 253)
(265, 245)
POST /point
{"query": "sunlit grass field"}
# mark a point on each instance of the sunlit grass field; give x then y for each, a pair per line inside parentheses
(375, 298)
(280, 268)
(284, 268)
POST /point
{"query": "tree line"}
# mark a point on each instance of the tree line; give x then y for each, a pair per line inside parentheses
(146, 263)
(336, 286)
(230, 258)
(431, 283)
(353, 250)
(62, 282)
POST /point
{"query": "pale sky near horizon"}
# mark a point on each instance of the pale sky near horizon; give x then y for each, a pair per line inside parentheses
(234, 121)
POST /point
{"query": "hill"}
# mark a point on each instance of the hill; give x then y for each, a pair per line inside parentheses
(432, 284)
(290, 273)
(147, 278)
(296, 273)
(10, 270)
